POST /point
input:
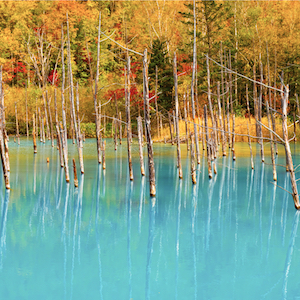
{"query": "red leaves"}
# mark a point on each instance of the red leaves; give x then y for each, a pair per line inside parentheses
(53, 75)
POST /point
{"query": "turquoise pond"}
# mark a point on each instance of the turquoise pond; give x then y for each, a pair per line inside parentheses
(233, 237)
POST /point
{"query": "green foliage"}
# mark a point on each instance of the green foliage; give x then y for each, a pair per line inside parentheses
(160, 58)
(89, 129)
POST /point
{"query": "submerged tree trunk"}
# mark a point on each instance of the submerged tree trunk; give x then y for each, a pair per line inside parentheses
(140, 134)
(128, 119)
(177, 121)
(284, 104)
(147, 126)
(193, 86)
(98, 137)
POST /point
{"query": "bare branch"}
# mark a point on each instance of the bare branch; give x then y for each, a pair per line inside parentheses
(241, 75)
(278, 136)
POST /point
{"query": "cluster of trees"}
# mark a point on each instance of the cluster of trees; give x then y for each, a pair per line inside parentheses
(247, 36)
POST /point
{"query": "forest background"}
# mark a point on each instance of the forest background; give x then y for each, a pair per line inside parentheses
(247, 36)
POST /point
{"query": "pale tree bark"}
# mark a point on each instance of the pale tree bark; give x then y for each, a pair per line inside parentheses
(98, 134)
(128, 119)
(177, 121)
(193, 85)
(284, 105)
(147, 126)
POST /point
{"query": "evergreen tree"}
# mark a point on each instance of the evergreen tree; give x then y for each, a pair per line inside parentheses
(160, 58)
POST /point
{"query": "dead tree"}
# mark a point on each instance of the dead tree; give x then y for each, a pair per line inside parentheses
(128, 119)
(98, 133)
(284, 104)
(193, 86)
(177, 121)
(147, 126)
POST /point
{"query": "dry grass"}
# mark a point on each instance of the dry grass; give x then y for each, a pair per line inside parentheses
(241, 131)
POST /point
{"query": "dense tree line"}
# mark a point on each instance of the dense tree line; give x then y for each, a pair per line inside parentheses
(247, 36)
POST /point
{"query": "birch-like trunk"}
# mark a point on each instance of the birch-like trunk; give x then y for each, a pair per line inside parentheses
(177, 121)
(147, 126)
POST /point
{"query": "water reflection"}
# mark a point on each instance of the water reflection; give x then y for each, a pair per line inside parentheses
(77, 196)
(179, 191)
(210, 197)
(194, 251)
(260, 206)
(4, 208)
(152, 209)
(129, 238)
(98, 232)
(290, 254)
(283, 218)
(142, 200)
(109, 240)
(272, 208)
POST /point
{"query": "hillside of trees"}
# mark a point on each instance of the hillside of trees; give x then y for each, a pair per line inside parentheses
(254, 38)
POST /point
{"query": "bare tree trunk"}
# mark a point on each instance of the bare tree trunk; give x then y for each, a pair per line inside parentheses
(78, 118)
(171, 132)
(261, 141)
(271, 144)
(284, 104)
(115, 125)
(2, 149)
(186, 126)
(64, 132)
(209, 101)
(128, 119)
(247, 100)
(3, 138)
(59, 145)
(221, 121)
(41, 130)
(147, 126)
(50, 119)
(233, 136)
(46, 117)
(26, 108)
(34, 135)
(98, 137)
(250, 147)
(208, 144)
(64, 142)
(177, 121)
(193, 85)
(103, 155)
(140, 133)
(120, 129)
(75, 174)
(17, 124)
(228, 124)
(193, 165)
(116, 120)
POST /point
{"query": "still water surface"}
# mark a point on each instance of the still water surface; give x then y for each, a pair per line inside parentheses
(233, 237)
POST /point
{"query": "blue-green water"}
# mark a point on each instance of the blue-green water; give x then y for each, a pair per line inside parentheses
(233, 237)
